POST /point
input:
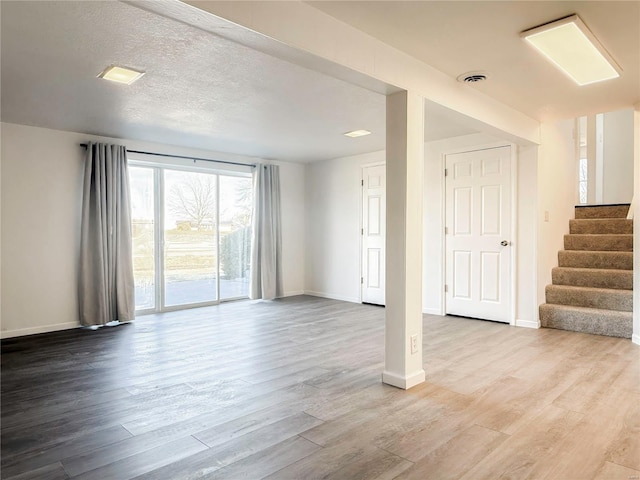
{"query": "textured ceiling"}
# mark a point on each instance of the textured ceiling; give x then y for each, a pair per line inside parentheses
(204, 91)
(200, 90)
(460, 36)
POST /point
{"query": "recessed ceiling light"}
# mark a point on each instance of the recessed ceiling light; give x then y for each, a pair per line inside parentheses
(357, 133)
(571, 46)
(120, 74)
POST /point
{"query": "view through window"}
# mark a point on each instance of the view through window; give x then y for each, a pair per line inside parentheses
(191, 236)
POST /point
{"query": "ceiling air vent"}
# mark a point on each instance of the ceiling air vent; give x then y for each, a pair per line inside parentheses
(473, 77)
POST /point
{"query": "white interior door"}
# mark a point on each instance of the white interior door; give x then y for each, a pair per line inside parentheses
(478, 229)
(373, 234)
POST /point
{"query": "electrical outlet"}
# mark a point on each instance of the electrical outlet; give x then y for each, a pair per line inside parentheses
(414, 344)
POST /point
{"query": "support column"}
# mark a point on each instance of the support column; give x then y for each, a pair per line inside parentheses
(405, 163)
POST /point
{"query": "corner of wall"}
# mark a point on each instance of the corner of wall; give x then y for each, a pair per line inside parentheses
(636, 225)
(528, 323)
(556, 190)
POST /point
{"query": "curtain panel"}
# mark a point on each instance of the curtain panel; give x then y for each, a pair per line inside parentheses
(106, 286)
(266, 242)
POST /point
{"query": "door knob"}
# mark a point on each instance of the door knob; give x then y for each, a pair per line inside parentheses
(504, 243)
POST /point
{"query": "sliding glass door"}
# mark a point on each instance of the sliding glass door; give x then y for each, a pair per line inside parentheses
(191, 237)
(143, 230)
(235, 236)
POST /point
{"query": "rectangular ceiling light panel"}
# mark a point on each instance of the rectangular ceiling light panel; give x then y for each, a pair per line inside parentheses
(571, 46)
(118, 74)
(357, 133)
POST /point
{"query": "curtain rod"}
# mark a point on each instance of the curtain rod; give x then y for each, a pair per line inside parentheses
(252, 165)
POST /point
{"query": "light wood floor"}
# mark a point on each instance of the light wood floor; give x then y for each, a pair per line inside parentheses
(291, 390)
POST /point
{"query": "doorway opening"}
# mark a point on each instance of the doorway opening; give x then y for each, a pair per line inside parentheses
(373, 232)
(478, 234)
(604, 153)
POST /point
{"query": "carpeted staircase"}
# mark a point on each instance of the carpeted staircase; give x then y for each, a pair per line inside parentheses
(592, 288)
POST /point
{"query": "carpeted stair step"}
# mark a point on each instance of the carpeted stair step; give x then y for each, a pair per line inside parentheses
(602, 211)
(593, 277)
(601, 226)
(587, 320)
(603, 298)
(592, 290)
(622, 242)
(593, 259)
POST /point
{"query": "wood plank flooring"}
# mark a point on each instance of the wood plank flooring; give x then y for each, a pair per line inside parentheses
(291, 390)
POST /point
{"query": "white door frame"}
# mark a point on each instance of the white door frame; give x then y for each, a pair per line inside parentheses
(514, 218)
(361, 224)
(158, 169)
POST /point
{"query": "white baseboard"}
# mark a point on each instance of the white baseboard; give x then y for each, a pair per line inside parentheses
(527, 323)
(293, 293)
(635, 338)
(332, 296)
(41, 329)
(433, 311)
(404, 382)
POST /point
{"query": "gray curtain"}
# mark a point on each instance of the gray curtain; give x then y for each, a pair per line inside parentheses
(266, 242)
(106, 288)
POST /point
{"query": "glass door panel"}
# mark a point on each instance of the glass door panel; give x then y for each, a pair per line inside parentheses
(235, 236)
(190, 243)
(143, 232)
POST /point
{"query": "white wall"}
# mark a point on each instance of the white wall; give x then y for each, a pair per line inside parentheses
(41, 200)
(526, 238)
(636, 224)
(41, 175)
(557, 193)
(525, 241)
(292, 200)
(333, 223)
(617, 165)
(333, 226)
(333, 206)
(41, 195)
(433, 223)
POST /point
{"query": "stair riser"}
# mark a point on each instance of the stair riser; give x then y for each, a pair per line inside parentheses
(587, 259)
(603, 211)
(620, 300)
(616, 324)
(620, 279)
(619, 243)
(601, 226)
(592, 287)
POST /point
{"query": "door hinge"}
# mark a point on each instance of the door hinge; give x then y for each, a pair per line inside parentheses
(362, 280)
(362, 231)
(446, 230)
(362, 182)
(446, 288)
(446, 172)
